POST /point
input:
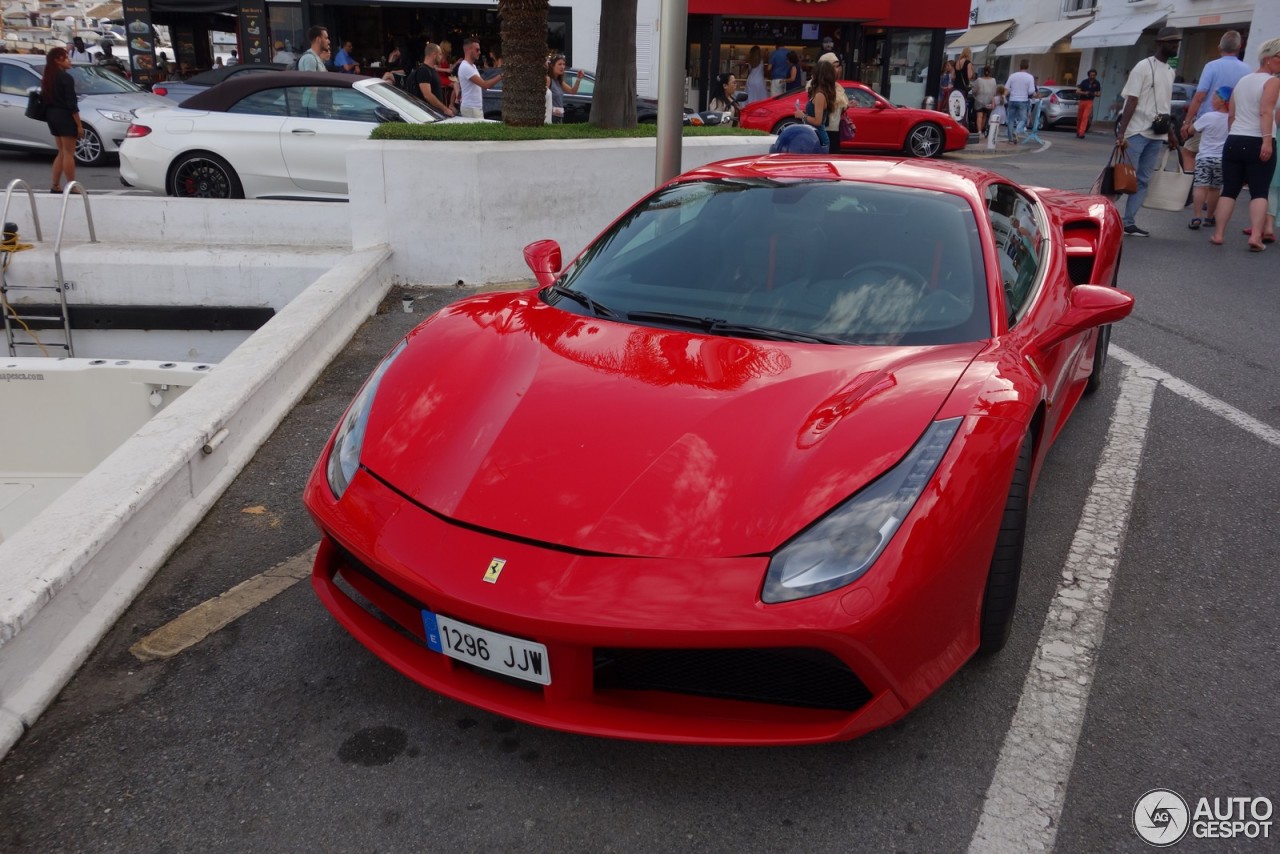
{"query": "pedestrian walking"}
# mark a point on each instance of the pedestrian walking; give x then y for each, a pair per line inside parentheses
(779, 68)
(1087, 92)
(822, 98)
(1249, 154)
(757, 89)
(1226, 70)
(1019, 88)
(1000, 111)
(984, 96)
(471, 83)
(313, 59)
(62, 114)
(1145, 122)
(1211, 133)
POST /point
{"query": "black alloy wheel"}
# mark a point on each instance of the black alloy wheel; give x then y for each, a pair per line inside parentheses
(200, 175)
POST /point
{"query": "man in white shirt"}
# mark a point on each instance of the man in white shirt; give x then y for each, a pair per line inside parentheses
(1148, 95)
(471, 81)
(77, 51)
(1020, 88)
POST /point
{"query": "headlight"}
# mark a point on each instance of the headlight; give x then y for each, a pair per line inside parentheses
(844, 544)
(116, 116)
(344, 456)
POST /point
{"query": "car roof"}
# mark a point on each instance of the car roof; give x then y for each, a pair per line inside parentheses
(216, 75)
(227, 94)
(957, 178)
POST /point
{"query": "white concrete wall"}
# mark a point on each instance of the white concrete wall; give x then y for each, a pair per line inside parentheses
(68, 575)
(501, 196)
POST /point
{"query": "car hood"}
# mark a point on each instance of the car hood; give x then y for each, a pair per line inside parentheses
(125, 101)
(519, 418)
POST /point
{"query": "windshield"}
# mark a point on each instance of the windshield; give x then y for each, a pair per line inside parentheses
(409, 107)
(856, 263)
(92, 80)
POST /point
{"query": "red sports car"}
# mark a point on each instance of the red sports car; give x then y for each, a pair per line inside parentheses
(880, 125)
(753, 469)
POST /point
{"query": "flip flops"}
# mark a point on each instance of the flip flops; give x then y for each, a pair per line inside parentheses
(1195, 224)
(1256, 247)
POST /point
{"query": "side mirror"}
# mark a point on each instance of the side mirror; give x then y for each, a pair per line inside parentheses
(543, 258)
(740, 97)
(1088, 306)
(386, 114)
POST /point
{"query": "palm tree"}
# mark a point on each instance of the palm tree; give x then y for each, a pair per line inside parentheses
(524, 68)
(614, 103)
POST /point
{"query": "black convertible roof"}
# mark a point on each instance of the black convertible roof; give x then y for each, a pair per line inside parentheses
(214, 76)
(225, 95)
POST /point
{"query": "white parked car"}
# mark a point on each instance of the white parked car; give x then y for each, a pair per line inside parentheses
(282, 136)
(107, 106)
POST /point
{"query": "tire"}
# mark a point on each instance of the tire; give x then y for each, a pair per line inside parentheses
(784, 123)
(200, 175)
(1099, 359)
(1000, 598)
(924, 140)
(89, 148)
(1044, 124)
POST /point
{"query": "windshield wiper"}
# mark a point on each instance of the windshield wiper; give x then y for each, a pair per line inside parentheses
(715, 325)
(596, 308)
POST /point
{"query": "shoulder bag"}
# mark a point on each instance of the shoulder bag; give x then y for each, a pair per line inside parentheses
(1118, 177)
(35, 106)
(1167, 191)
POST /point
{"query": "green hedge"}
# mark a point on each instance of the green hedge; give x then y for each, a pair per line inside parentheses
(498, 132)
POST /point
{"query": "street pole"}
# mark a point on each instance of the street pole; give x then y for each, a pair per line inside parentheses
(674, 23)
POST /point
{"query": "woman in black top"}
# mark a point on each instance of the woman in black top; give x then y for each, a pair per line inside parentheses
(58, 90)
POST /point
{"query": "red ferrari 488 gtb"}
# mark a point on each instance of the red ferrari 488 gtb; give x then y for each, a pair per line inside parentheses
(754, 468)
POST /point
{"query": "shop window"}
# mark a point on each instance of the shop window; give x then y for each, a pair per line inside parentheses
(909, 66)
(286, 26)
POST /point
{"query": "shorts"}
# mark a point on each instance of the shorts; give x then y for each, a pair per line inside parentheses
(473, 112)
(1208, 172)
(1193, 144)
(61, 122)
(1242, 165)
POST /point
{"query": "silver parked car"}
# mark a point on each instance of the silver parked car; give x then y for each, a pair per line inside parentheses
(107, 106)
(1059, 106)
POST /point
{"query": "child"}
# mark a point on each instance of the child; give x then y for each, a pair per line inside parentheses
(999, 116)
(1208, 181)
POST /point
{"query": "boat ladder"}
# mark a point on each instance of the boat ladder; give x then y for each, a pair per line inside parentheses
(11, 245)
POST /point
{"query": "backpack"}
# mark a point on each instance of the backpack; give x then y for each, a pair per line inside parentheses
(293, 65)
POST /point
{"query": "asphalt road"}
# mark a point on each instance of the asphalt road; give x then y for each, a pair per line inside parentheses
(35, 169)
(281, 733)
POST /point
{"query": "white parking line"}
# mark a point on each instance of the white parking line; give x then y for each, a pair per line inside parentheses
(1025, 798)
(1246, 422)
(1024, 802)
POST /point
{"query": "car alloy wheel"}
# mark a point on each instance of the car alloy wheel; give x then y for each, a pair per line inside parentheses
(785, 123)
(204, 176)
(925, 140)
(89, 151)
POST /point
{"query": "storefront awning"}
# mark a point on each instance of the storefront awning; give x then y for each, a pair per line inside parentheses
(1242, 14)
(1040, 37)
(1116, 31)
(979, 36)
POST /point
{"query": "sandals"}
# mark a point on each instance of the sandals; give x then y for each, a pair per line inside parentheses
(1195, 224)
(1211, 222)
(1266, 238)
(55, 189)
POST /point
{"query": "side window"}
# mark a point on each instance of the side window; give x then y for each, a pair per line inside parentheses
(329, 102)
(16, 81)
(1020, 241)
(586, 88)
(859, 98)
(268, 102)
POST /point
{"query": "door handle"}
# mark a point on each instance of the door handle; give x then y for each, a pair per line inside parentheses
(303, 132)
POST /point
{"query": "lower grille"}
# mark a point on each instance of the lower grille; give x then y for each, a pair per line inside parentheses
(807, 678)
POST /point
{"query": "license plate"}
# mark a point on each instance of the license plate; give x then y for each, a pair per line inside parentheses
(500, 653)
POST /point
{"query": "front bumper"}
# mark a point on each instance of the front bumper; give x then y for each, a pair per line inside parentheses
(657, 649)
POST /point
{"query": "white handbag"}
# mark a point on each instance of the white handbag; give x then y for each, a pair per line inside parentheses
(1167, 190)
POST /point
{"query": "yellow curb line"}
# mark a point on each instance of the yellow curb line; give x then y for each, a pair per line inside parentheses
(213, 614)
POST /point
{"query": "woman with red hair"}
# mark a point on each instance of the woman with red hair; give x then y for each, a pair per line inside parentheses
(58, 91)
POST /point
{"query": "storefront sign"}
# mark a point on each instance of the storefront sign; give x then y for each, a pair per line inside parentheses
(142, 42)
(184, 48)
(253, 32)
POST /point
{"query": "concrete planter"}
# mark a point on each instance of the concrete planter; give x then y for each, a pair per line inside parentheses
(454, 210)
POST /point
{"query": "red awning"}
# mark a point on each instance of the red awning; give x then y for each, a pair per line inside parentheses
(925, 14)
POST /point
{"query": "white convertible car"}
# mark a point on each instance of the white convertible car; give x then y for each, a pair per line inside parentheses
(281, 136)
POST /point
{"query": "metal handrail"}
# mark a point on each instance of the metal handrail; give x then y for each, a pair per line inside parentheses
(31, 197)
(59, 283)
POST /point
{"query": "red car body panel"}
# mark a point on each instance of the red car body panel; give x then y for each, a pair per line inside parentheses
(882, 127)
(638, 480)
